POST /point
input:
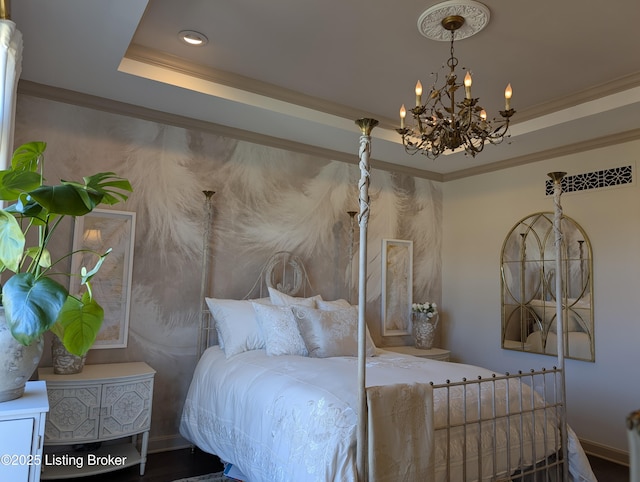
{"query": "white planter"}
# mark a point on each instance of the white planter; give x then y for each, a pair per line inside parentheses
(424, 330)
(17, 362)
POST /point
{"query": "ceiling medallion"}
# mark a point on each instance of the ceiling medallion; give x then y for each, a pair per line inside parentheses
(476, 17)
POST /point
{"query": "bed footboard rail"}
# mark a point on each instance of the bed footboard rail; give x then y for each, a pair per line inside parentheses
(503, 428)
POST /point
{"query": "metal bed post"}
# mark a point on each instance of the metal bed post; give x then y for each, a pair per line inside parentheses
(366, 126)
(351, 253)
(557, 218)
(206, 239)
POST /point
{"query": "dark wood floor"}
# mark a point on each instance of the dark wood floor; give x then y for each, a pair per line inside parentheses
(177, 464)
(606, 471)
(162, 467)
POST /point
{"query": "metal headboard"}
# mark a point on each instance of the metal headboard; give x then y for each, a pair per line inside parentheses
(283, 271)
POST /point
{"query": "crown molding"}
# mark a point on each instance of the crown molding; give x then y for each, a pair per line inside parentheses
(155, 58)
(605, 141)
(114, 107)
(599, 91)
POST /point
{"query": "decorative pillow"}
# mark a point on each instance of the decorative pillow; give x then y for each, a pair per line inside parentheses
(283, 299)
(332, 305)
(330, 333)
(341, 305)
(280, 330)
(238, 330)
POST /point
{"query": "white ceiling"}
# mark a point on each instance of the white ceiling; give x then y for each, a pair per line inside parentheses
(302, 72)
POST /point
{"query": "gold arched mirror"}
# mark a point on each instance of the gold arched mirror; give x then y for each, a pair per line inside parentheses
(528, 272)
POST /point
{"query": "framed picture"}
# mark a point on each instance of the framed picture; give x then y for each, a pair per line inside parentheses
(98, 231)
(397, 286)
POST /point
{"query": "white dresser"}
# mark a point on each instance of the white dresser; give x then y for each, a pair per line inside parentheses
(22, 433)
(102, 404)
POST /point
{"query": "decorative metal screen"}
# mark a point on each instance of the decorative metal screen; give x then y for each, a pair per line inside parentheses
(593, 180)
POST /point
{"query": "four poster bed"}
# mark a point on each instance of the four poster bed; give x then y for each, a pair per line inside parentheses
(275, 394)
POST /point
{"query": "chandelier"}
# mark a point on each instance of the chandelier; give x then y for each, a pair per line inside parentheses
(445, 122)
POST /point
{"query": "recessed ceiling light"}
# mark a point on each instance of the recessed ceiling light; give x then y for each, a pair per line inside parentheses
(191, 37)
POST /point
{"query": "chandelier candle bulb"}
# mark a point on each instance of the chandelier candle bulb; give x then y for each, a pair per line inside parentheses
(418, 94)
(467, 85)
(507, 97)
(403, 114)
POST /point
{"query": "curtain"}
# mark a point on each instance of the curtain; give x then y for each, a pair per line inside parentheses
(10, 69)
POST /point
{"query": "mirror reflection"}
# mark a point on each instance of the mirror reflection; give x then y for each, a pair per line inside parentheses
(528, 268)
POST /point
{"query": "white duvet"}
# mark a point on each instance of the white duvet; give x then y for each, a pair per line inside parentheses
(290, 418)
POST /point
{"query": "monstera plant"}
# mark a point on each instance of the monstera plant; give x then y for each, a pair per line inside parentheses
(34, 300)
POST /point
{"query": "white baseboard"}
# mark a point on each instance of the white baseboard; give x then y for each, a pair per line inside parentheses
(604, 452)
(176, 442)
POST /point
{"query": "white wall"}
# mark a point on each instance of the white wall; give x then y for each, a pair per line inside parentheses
(479, 212)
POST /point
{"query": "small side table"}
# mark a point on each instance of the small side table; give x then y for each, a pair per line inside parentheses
(104, 402)
(22, 434)
(433, 353)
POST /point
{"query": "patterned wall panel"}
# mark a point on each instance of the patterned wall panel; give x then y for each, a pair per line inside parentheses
(616, 176)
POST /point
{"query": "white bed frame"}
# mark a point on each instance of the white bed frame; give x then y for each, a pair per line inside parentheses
(550, 384)
(554, 399)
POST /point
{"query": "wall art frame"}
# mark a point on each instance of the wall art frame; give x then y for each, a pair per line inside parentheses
(98, 231)
(397, 286)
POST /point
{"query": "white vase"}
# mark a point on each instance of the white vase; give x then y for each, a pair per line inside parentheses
(424, 330)
(17, 362)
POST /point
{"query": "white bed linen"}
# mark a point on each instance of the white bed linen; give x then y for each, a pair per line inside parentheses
(291, 418)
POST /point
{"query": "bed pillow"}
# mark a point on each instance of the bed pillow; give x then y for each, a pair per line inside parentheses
(332, 305)
(279, 330)
(237, 327)
(282, 299)
(341, 305)
(330, 333)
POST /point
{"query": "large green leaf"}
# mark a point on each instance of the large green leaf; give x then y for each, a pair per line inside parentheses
(23, 175)
(26, 206)
(11, 241)
(80, 321)
(110, 186)
(31, 305)
(67, 199)
(14, 183)
(27, 156)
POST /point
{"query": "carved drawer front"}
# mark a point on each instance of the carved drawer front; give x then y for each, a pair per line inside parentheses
(74, 414)
(126, 408)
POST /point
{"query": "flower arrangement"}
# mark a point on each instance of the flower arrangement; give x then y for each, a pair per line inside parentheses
(431, 309)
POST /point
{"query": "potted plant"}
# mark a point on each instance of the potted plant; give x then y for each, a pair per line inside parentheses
(34, 302)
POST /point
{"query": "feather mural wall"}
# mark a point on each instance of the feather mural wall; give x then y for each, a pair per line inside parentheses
(295, 218)
(266, 199)
(157, 163)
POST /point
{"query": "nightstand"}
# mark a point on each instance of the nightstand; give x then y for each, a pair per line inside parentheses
(101, 409)
(21, 434)
(433, 353)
